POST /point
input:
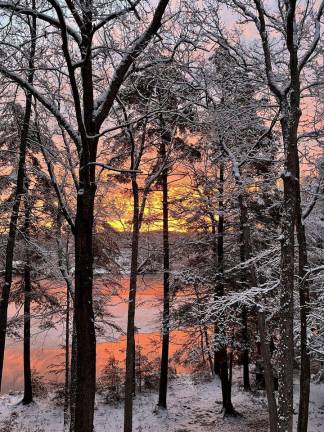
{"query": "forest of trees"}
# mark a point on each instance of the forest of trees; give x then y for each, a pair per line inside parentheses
(175, 138)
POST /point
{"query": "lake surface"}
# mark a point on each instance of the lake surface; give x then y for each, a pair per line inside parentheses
(46, 345)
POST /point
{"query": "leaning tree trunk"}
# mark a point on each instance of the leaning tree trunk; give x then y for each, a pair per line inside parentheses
(28, 388)
(130, 349)
(163, 388)
(16, 203)
(304, 298)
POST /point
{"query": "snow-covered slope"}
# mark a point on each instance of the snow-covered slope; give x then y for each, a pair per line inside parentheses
(192, 408)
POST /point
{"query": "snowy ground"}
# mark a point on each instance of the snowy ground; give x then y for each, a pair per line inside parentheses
(192, 408)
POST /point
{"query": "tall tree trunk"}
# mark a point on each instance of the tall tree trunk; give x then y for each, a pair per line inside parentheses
(204, 334)
(63, 262)
(28, 389)
(64, 266)
(219, 261)
(245, 252)
(290, 115)
(202, 345)
(73, 374)
(130, 349)
(220, 357)
(17, 200)
(289, 122)
(84, 352)
(67, 361)
(215, 227)
(166, 138)
(304, 298)
(210, 360)
(245, 356)
(230, 375)
(85, 362)
(268, 375)
(289, 100)
(226, 384)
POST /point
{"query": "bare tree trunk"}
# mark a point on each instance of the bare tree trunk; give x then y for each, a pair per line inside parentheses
(130, 350)
(84, 379)
(304, 298)
(64, 266)
(245, 356)
(230, 376)
(85, 361)
(214, 227)
(16, 203)
(268, 375)
(265, 350)
(210, 360)
(165, 138)
(289, 124)
(139, 370)
(226, 384)
(84, 382)
(216, 241)
(204, 335)
(220, 357)
(202, 345)
(28, 389)
(219, 259)
(246, 254)
(73, 375)
(67, 361)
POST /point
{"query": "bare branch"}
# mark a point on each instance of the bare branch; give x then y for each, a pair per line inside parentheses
(105, 101)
